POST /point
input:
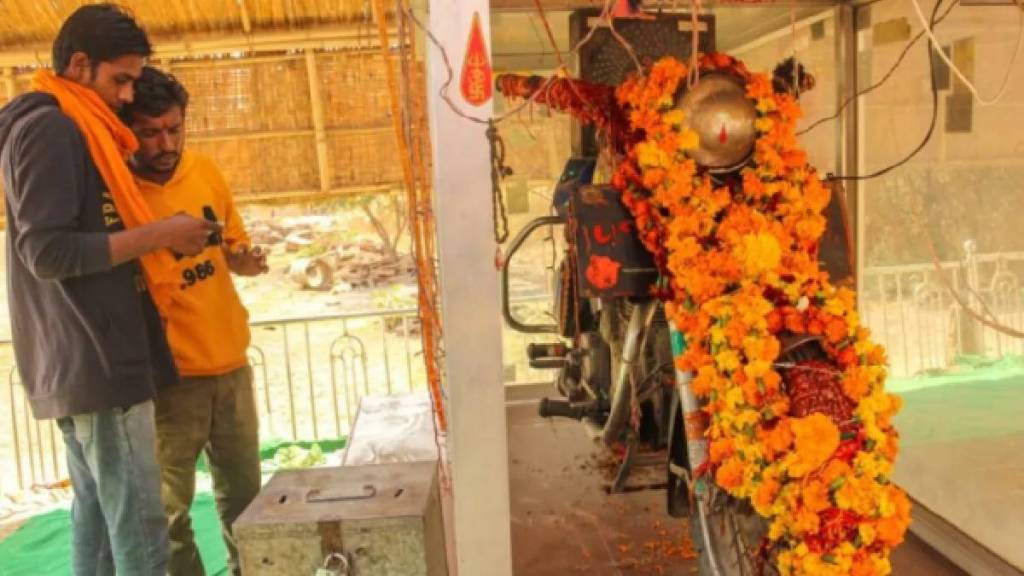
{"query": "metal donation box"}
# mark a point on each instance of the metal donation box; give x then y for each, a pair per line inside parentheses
(385, 519)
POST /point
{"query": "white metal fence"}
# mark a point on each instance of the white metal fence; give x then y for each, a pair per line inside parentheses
(309, 376)
(910, 310)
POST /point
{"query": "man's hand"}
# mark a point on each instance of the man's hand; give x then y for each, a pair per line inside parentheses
(186, 235)
(246, 262)
(180, 233)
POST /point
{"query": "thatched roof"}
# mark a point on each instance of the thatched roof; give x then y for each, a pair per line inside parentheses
(32, 23)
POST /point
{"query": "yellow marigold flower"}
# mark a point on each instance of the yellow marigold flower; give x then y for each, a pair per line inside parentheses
(689, 140)
(872, 466)
(727, 360)
(747, 419)
(835, 307)
(816, 439)
(757, 368)
(650, 155)
(867, 533)
(764, 124)
(673, 117)
(859, 494)
(765, 105)
(895, 516)
(759, 253)
(734, 398)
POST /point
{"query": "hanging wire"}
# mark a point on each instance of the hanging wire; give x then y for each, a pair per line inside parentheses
(892, 70)
(412, 174)
(545, 88)
(693, 74)
(928, 29)
(931, 125)
(991, 321)
(551, 35)
(792, 32)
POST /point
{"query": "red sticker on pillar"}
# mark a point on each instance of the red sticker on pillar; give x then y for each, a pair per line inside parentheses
(475, 81)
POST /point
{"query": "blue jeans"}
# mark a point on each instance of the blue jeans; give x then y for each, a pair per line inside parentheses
(117, 520)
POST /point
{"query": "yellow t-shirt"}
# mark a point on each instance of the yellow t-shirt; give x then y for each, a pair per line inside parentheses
(209, 330)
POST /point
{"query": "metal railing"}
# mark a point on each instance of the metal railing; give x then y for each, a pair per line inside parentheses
(910, 310)
(310, 373)
(319, 368)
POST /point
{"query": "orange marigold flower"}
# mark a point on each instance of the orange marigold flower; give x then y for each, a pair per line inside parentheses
(863, 565)
(877, 356)
(765, 495)
(816, 496)
(730, 474)
(836, 330)
(855, 383)
(815, 326)
(772, 380)
(780, 438)
(706, 380)
(795, 322)
(719, 450)
(759, 86)
(816, 438)
(805, 521)
(892, 528)
(759, 253)
(847, 356)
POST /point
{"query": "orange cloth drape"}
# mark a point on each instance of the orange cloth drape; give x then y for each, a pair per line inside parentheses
(110, 143)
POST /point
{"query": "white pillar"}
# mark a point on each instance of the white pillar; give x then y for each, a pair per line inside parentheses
(477, 438)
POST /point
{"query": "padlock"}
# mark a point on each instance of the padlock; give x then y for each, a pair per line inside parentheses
(340, 566)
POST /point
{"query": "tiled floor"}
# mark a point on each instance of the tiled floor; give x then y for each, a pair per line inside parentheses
(565, 523)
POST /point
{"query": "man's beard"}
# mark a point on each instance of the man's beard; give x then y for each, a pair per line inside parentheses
(158, 169)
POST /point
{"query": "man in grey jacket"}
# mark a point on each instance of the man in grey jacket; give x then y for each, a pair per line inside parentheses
(88, 339)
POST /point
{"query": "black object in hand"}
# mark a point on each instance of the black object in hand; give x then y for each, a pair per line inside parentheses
(215, 238)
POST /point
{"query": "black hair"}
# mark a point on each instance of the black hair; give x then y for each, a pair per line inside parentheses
(784, 75)
(103, 32)
(155, 93)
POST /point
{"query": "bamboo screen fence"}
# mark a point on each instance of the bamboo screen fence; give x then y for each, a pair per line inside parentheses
(286, 127)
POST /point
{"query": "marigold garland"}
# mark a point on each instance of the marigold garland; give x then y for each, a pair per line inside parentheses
(815, 456)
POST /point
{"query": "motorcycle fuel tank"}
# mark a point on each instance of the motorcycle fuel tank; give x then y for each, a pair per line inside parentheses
(611, 260)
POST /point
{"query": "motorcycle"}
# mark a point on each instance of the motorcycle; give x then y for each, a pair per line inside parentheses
(617, 371)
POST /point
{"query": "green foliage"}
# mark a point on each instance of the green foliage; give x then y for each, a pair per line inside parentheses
(298, 457)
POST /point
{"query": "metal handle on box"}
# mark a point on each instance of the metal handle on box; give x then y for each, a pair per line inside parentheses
(342, 569)
(315, 495)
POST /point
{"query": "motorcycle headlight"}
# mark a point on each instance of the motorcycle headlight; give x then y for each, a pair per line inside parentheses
(718, 110)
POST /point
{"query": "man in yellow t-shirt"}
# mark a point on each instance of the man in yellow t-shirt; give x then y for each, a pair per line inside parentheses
(213, 409)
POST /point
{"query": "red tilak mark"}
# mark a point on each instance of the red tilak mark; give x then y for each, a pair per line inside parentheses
(601, 236)
(624, 227)
(723, 135)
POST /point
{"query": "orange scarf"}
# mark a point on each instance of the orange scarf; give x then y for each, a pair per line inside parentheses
(110, 143)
